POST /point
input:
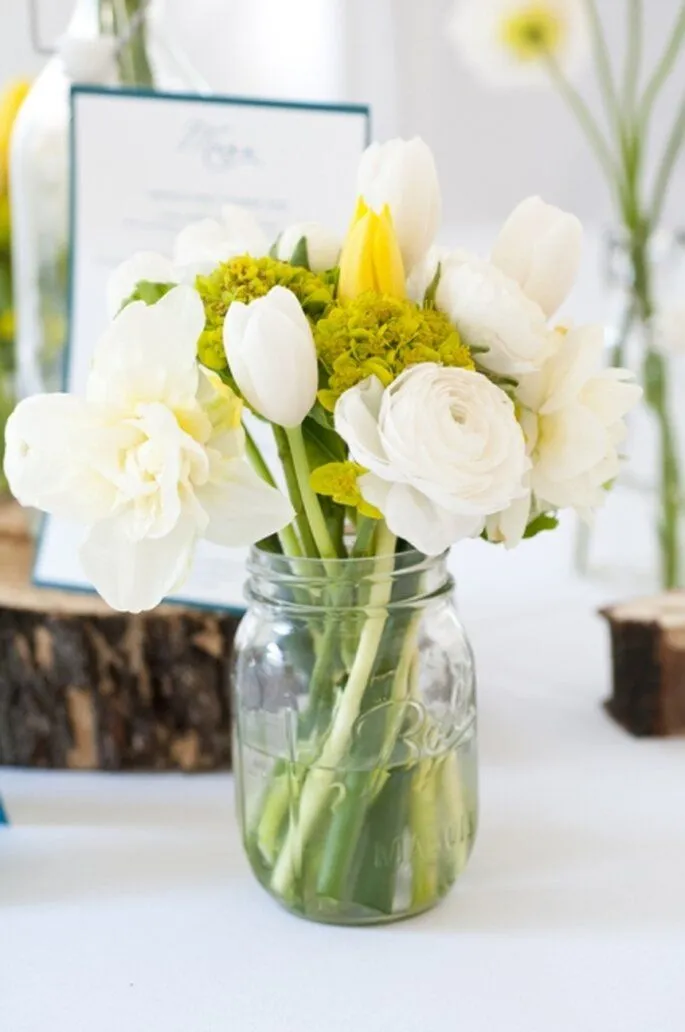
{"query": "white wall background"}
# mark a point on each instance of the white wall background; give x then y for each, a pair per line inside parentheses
(492, 147)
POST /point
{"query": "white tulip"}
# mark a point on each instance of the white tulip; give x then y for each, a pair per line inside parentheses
(509, 42)
(323, 246)
(402, 174)
(443, 449)
(573, 413)
(491, 311)
(271, 353)
(198, 250)
(540, 247)
(151, 460)
(89, 59)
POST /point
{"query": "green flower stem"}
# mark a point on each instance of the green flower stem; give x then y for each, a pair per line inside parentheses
(318, 782)
(425, 828)
(633, 63)
(117, 16)
(366, 529)
(604, 69)
(287, 536)
(293, 486)
(662, 72)
(312, 507)
(664, 174)
(362, 788)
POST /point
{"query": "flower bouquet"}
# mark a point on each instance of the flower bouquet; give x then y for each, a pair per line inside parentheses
(416, 397)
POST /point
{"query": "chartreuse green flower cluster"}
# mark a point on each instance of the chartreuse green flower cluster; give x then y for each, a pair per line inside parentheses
(246, 279)
(378, 335)
(339, 481)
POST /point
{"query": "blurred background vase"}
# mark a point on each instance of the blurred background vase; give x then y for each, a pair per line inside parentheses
(108, 43)
(637, 542)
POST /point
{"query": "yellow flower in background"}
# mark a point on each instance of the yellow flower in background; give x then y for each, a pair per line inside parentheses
(11, 100)
(513, 41)
(339, 481)
(371, 260)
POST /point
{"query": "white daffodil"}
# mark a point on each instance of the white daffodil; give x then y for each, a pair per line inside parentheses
(198, 249)
(402, 175)
(540, 247)
(323, 245)
(443, 449)
(151, 460)
(512, 42)
(573, 413)
(271, 353)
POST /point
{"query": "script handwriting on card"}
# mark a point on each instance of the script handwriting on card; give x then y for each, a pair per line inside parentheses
(216, 146)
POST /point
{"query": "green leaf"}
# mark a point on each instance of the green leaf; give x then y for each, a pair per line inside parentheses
(300, 256)
(545, 521)
(429, 297)
(323, 445)
(322, 416)
(148, 292)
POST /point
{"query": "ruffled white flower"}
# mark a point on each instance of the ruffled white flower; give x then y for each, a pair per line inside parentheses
(509, 42)
(271, 353)
(151, 460)
(443, 449)
(323, 245)
(540, 247)
(402, 175)
(198, 249)
(573, 414)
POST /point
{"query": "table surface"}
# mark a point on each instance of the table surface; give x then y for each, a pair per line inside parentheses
(126, 904)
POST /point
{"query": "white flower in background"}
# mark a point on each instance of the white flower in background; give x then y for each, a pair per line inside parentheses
(443, 449)
(198, 249)
(402, 174)
(510, 42)
(323, 246)
(668, 330)
(271, 353)
(152, 459)
(89, 59)
(540, 247)
(572, 412)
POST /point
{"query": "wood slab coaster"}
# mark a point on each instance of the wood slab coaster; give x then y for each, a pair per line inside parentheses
(82, 686)
(648, 649)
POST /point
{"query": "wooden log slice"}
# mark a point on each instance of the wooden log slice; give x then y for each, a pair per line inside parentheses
(82, 686)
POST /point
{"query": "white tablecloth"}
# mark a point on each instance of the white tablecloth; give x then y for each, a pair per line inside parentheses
(126, 904)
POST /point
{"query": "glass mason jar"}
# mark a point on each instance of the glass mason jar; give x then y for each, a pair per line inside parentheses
(145, 57)
(637, 541)
(355, 735)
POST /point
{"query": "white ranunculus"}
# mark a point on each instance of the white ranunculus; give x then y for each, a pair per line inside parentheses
(540, 247)
(151, 460)
(402, 174)
(572, 412)
(271, 353)
(443, 449)
(198, 250)
(508, 42)
(323, 245)
(491, 311)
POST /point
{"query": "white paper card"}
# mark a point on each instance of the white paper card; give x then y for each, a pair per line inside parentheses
(146, 165)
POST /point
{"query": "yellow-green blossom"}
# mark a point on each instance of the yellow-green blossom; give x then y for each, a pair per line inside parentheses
(382, 336)
(339, 481)
(534, 31)
(245, 279)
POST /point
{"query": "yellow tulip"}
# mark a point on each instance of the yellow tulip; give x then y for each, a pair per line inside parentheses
(10, 101)
(371, 259)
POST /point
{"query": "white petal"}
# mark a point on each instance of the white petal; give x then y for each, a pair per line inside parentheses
(56, 448)
(540, 247)
(414, 518)
(241, 226)
(244, 509)
(508, 527)
(323, 246)
(136, 576)
(149, 353)
(147, 265)
(356, 420)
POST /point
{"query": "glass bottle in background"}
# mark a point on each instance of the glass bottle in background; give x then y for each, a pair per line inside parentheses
(637, 542)
(108, 43)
